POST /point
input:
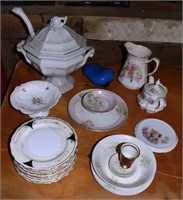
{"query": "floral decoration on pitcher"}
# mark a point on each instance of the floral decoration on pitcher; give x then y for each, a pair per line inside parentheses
(132, 72)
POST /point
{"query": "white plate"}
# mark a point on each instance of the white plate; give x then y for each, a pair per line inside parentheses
(157, 134)
(47, 171)
(45, 178)
(105, 185)
(43, 142)
(96, 121)
(134, 184)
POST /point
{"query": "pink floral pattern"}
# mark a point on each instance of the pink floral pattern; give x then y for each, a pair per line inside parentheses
(148, 99)
(154, 136)
(132, 72)
(37, 101)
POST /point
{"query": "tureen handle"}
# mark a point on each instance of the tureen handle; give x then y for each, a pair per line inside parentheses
(20, 49)
(89, 53)
(20, 12)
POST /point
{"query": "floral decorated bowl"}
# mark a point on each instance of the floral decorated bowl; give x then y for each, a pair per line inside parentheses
(35, 98)
(96, 113)
(99, 105)
(98, 101)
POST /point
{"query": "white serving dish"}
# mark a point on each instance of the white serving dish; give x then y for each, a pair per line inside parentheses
(35, 98)
(55, 50)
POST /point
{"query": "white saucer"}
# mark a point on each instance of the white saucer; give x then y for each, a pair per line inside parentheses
(97, 121)
(139, 180)
(157, 134)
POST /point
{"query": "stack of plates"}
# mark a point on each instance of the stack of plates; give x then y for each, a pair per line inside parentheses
(111, 176)
(44, 150)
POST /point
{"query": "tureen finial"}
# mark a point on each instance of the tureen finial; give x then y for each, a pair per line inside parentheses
(58, 21)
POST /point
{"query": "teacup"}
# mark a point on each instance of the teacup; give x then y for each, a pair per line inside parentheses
(98, 101)
(99, 106)
(128, 153)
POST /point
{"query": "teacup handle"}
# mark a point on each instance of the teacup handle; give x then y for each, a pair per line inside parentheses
(157, 61)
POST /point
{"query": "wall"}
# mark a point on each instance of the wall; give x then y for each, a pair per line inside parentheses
(158, 25)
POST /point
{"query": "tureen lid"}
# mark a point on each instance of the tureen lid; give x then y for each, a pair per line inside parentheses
(156, 89)
(55, 38)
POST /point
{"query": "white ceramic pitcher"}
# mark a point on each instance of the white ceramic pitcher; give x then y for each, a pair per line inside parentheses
(134, 73)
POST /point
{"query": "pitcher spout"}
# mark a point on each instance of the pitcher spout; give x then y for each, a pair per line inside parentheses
(130, 46)
(138, 51)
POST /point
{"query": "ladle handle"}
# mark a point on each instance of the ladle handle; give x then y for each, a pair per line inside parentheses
(20, 12)
(157, 61)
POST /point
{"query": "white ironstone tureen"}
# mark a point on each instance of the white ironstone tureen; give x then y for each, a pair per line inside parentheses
(55, 51)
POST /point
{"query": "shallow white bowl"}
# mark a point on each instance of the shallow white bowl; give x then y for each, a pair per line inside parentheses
(98, 101)
(99, 105)
(35, 98)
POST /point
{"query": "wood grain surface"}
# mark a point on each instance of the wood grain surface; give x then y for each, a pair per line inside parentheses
(80, 184)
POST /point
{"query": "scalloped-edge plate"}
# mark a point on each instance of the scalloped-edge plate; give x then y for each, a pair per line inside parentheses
(43, 142)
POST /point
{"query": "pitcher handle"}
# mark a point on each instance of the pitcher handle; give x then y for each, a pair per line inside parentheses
(157, 61)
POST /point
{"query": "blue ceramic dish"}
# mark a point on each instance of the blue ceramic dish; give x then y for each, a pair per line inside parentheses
(98, 74)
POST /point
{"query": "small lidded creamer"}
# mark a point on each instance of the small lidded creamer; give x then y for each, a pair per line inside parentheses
(153, 96)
